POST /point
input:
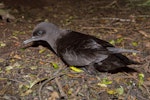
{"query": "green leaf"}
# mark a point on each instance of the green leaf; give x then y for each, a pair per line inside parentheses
(134, 43)
(22, 49)
(112, 42)
(119, 40)
(141, 78)
(55, 65)
(120, 90)
(146, 3)
(106, 81)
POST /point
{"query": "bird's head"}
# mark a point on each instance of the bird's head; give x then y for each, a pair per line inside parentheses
(45, 31)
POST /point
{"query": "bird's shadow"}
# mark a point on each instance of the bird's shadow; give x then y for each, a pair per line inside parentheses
(122, 69)
(38, 43)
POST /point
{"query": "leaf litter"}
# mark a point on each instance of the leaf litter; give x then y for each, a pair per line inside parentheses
(28, 69)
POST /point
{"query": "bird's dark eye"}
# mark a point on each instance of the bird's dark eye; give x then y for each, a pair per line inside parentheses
(38, 33)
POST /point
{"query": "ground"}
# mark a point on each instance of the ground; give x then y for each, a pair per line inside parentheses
(36, 73)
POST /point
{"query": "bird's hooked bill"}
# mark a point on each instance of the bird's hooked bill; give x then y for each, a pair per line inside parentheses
(31, 40)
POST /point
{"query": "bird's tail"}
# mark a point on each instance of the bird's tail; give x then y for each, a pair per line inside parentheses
(121, 50)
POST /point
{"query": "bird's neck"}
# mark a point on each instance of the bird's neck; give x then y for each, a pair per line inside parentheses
(58, 35)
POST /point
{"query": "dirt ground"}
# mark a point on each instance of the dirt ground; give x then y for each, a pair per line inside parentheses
(36, 73)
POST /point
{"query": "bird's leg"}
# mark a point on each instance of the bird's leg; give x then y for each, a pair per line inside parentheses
(90, 69)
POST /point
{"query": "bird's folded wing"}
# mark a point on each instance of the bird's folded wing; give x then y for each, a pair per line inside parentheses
(89, 52)
(82, 59)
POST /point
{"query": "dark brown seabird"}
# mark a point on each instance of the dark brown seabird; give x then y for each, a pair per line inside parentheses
(81, 50)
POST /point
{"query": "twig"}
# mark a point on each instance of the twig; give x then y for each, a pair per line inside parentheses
(144, 33)
(63, 95)
(99, 27)
(112, 3)
(143, 16)
(42, 85)
(9, 98)
(119, 19)
(74, 95)
(126, 97)
(78, 89)
(14, 80)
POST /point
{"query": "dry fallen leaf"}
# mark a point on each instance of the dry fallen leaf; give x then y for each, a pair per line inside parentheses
(148, 78)
(54, 96)
(17, 57)
(27, 92)
(2, 60)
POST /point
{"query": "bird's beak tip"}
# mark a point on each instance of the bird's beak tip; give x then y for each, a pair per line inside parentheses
(27, 41)
(31, 40)
(24, 42)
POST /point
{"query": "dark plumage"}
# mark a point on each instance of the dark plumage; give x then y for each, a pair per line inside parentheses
(81, 50)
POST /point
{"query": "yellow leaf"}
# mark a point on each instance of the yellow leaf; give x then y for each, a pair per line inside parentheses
(2, 44)
(76, 69)
(70, 91)
(134, 54)
(102, 85)
(42, 50)
(8, 68)
(111, 92)
(33, 67)
(2, 79)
